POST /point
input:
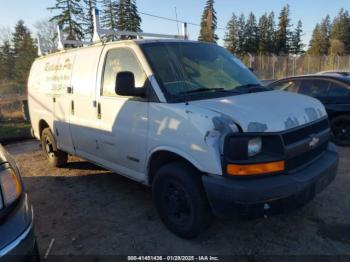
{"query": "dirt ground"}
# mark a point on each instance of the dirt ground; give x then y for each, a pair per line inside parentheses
(91, 211)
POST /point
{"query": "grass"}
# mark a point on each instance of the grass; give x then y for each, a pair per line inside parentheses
(10, 131)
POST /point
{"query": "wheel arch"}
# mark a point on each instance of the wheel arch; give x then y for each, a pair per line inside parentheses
(42, 125)
(164, 155)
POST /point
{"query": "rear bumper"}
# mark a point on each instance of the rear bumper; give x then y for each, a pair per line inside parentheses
(270, 195)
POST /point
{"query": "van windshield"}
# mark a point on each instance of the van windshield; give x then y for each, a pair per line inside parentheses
(190, 69)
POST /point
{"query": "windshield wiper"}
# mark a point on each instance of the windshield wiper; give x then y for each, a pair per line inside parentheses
(200, 90)
(252, 88)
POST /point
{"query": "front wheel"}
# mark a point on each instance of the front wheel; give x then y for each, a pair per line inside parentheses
(180, 200)
(341, 130)
(55, 156)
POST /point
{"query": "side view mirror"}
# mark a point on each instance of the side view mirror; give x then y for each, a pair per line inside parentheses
(125, 85)
(251, 69)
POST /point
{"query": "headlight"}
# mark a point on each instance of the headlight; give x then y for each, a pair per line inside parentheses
(254, 146)
(11, 186)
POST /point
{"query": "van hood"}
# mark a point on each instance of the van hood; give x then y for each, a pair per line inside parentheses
(271, 111)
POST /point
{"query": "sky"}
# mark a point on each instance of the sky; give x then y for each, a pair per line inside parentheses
(308, 11)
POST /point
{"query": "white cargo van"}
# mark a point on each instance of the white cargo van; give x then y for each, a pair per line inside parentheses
(189, 120)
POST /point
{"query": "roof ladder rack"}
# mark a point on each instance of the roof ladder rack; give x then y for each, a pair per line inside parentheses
(99, 32)
(62, 43)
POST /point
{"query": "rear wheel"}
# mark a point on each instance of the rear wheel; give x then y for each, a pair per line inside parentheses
(55, 156)
(180, 200)
(341, 130)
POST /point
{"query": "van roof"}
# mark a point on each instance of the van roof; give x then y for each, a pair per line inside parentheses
(131, 41)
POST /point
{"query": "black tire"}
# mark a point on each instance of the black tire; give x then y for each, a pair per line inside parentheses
(55, 156)
(341, 130)
(180, 199)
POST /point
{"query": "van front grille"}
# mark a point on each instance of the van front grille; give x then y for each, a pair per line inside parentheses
(299, 134)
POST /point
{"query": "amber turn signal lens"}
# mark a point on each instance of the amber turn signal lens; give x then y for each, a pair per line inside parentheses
(11, 186)
(255, 169)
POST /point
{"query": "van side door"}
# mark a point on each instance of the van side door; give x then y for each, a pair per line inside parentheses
(123, 121)
(62, 102)
(83, 122)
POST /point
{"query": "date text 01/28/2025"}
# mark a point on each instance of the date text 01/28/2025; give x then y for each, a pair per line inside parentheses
(173, 258)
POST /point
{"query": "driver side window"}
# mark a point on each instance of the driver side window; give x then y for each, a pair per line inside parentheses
(119, 60)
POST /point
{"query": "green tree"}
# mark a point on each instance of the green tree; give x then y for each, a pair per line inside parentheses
(24, 52)
(283, 32)
(320, 40)
(231, 35)
(87, 19)
(208, 23)
(251, 44)
(7, 61)
(264, 34)
(68, 18)
(109, 14)
(128, 18)
(272, 32)
(241, 34)
(296, 45)
(341, 30)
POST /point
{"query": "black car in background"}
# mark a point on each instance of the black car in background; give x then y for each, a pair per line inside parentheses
(17, 241)
(333, 91)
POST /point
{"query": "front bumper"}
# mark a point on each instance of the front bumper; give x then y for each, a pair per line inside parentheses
(22, 247)
(269, 195)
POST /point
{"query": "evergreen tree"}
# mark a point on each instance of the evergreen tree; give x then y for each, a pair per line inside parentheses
(87, 19)
(264, 34)
(241, 34)
(128, 18)
(7, 62)
(283, 31)
(341, 30)
(320, 40)
(272, 33)
(315, 46)
(231, 36)
(109, 14)
(326, 29)
(251, 35)
(297, 45)
(25, 52)
(208, 23)
(68, 18)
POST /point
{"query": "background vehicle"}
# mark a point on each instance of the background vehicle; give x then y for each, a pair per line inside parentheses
(333, 91)
(335, 72)
(17, 241)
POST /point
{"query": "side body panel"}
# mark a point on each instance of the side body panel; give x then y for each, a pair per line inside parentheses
(41, 83)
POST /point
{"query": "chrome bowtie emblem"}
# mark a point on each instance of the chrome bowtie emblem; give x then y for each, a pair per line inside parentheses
(314, 141)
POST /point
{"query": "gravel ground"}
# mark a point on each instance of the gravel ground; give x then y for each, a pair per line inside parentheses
(91, 211)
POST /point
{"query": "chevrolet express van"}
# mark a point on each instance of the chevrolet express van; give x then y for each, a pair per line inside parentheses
(187, 119)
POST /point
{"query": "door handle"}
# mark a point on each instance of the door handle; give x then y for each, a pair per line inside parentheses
(69, 90)
(72, 107)
(99, 115)
(54, 99)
